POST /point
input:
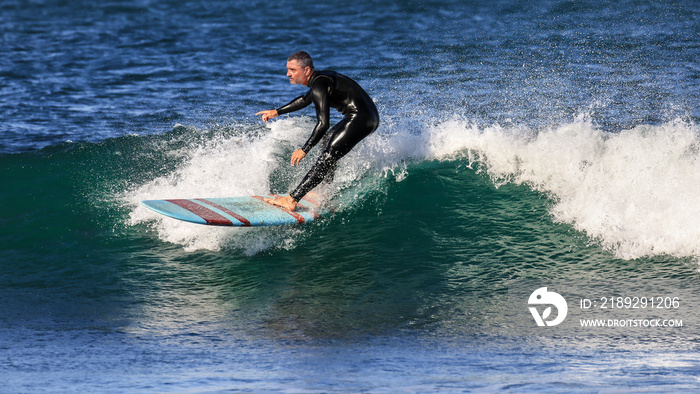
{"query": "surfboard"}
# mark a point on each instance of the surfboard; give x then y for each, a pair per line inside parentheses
(244, 211)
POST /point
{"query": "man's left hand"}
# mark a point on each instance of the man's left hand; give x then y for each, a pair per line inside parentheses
(297, 156)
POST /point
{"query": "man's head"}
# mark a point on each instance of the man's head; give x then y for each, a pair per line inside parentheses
(299, 68)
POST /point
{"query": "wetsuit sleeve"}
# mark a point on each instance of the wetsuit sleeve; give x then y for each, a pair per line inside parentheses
(320, 96)
(298, 103)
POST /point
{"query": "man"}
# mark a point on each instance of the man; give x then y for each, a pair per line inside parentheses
(326, 89)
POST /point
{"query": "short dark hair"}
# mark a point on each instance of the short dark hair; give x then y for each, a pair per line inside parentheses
(303, 58)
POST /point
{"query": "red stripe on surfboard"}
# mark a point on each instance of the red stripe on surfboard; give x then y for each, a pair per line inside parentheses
(299, 218)
(205, 213)
(238, 217)
(313, 201)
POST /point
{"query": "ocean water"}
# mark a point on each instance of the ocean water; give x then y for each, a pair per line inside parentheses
(522, 145)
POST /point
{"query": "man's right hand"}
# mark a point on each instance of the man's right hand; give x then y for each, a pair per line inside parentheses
(269, 114)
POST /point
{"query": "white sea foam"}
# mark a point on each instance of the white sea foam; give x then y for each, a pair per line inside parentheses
(225, 166)
(635, 191)
(244, 164)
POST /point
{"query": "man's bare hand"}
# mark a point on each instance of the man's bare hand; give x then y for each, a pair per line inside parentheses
(269, 114)
(297, 156)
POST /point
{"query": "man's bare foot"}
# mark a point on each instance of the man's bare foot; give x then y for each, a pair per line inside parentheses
(286, 202)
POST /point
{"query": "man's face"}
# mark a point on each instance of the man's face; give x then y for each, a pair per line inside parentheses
(298, 75)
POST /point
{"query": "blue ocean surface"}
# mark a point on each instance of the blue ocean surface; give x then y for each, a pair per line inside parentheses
(525, 219)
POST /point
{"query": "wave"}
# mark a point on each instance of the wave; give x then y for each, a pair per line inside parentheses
(634, 191)
(248, 160)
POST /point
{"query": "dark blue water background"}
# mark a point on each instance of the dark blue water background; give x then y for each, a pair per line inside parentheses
(448, 219)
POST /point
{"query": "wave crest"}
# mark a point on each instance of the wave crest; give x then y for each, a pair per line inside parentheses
(634, 191)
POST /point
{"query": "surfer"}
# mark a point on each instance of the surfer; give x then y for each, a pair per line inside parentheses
(326, 89)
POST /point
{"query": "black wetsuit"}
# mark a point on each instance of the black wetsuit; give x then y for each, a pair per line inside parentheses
(329, 89)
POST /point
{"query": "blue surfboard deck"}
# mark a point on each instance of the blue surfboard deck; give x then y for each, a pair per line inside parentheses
(242, 211)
